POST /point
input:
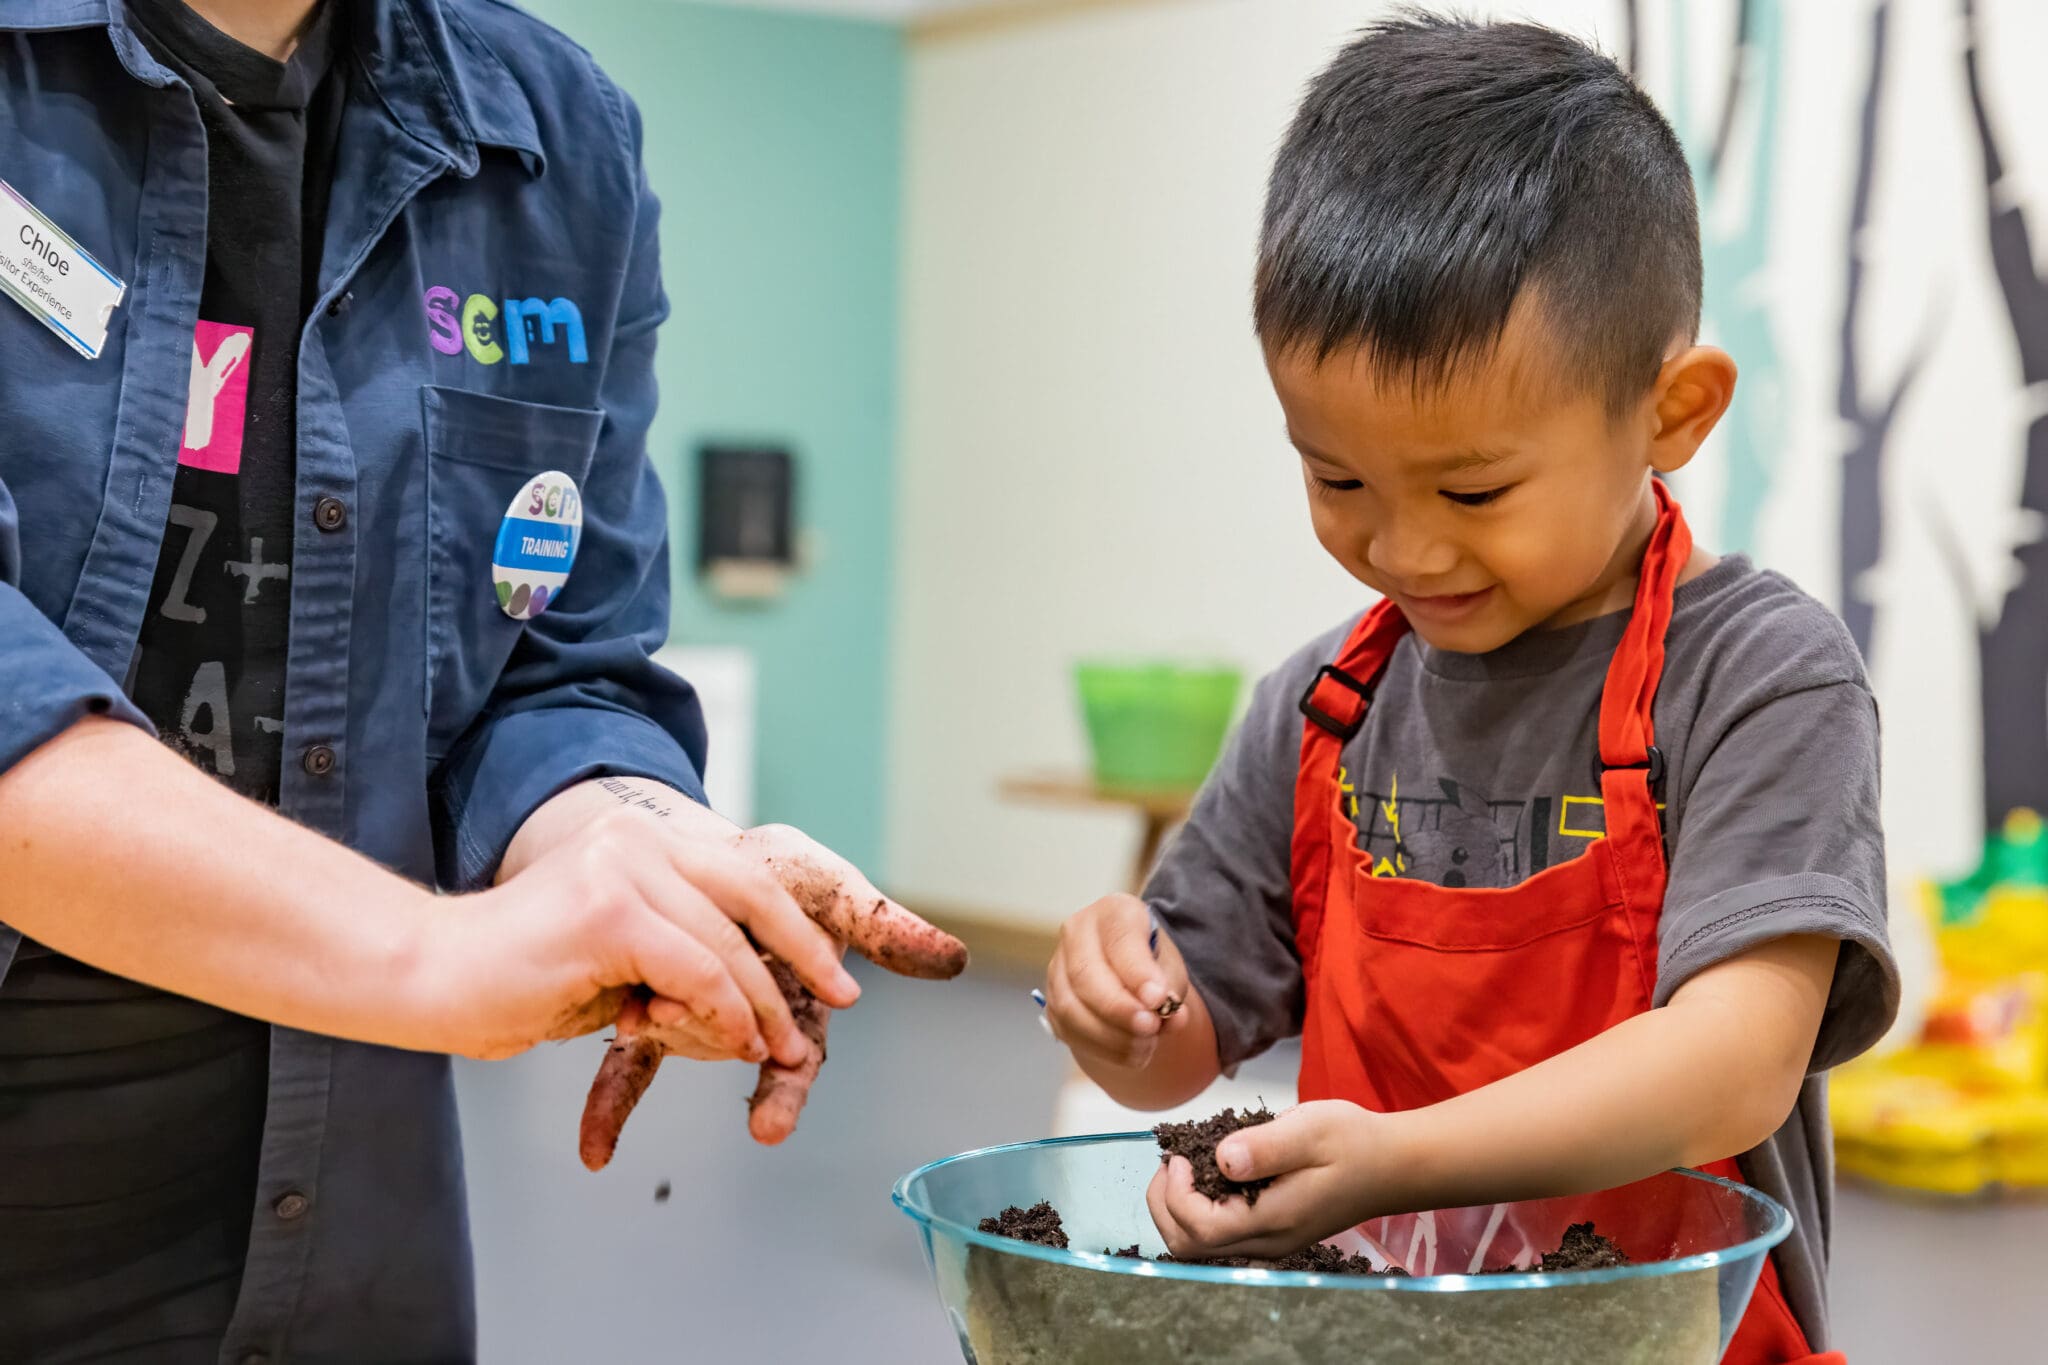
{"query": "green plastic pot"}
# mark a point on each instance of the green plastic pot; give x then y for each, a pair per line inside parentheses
(1153, 724)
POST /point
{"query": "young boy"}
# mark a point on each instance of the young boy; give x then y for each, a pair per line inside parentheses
(1564, 860)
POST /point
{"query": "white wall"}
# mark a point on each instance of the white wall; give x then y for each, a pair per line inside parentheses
(1092, 460)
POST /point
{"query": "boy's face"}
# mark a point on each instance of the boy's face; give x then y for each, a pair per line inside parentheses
(1489, 506)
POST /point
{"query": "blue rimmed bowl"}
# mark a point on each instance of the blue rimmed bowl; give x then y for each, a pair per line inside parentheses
(1697, 1243)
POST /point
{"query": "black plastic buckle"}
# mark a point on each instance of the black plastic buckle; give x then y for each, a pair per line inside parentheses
(1323, 718)
(1653, 763)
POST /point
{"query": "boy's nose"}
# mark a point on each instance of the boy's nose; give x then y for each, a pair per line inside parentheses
(1409, 555)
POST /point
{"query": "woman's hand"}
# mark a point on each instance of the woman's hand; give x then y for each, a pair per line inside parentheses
(841, 907)
(628, 902)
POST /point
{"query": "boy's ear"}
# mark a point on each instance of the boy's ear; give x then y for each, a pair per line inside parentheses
(1693, 389)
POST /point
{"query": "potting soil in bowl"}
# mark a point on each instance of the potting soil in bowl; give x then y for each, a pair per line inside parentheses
(1695, 1246)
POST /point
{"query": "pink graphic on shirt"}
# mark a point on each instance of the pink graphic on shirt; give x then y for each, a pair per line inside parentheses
(217, 398)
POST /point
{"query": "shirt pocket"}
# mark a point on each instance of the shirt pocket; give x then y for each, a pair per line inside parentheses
(481, 452)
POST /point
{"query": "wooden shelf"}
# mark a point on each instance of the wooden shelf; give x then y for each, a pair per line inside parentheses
(1161, 808)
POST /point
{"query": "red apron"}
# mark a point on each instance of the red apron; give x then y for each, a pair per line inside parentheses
(1485, 969)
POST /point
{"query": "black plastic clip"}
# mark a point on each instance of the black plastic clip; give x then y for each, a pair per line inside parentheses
(1653, 763)
(1342, 730)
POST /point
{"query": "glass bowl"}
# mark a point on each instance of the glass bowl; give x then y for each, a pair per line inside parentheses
(1698, 1244)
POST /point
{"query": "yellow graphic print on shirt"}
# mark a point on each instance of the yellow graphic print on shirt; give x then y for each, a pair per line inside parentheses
(1456, 836)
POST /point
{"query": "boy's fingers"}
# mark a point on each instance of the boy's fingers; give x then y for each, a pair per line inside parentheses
(1125, 938)
(1273, 1149)
(1214, 1226)
(1077, 1024)
(1173, 968)
(1100, 981)
(1176, 1237)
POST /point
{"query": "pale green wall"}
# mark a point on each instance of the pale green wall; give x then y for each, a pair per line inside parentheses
(774, 141)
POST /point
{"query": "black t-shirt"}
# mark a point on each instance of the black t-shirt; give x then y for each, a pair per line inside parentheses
(131, 1120)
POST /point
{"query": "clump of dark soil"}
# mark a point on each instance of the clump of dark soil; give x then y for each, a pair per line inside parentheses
(1580, 1249)
(1196, 1140)
(1584, 1249)
(1039, 1224)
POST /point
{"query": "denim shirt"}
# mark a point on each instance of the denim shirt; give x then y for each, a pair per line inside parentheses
(489, 294)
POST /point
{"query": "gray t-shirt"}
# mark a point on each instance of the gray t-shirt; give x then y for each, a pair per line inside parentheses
(1770, 735)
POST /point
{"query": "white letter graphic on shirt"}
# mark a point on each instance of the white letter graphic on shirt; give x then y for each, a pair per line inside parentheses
(217, 397)
(210, 690)
(256, 570)
(209, 377)
(198, 524)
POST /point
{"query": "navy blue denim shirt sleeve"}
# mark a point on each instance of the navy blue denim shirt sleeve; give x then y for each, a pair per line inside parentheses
(46, 684)
(581, 696)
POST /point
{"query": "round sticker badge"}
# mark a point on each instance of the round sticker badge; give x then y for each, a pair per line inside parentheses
(537, 544)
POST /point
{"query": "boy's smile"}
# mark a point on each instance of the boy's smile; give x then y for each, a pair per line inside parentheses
(1497, 501)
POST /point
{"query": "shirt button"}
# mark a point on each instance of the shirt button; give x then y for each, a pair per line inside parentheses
(339, 308)
(291, 1205)
(330, 514)
(318, 760)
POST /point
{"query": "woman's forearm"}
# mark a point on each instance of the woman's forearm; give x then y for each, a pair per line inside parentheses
(117, 852)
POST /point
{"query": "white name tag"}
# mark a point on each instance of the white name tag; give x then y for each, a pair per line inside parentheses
(53, 277)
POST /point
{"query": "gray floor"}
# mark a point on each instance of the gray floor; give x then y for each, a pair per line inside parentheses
(1925, 1283)
(797, 1254)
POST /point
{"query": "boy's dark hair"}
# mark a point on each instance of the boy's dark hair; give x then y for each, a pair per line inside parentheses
(1438, 167)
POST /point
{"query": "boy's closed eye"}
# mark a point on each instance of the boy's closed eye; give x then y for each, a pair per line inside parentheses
(1463, 498)
(1475, 498)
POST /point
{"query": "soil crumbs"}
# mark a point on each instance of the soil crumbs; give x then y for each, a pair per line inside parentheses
(1039, 1225)
(1196, 1140)
(1582, 1248)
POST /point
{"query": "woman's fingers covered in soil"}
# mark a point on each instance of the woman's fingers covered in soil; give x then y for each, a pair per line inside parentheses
(622, 1078)
(780, 1095)
(732, 993)
(757, 900)
(681, 1035)
(833, 893)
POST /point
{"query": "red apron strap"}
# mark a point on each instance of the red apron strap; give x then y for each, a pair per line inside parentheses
(1627, 732)
(1333, 708)
(1631, 766)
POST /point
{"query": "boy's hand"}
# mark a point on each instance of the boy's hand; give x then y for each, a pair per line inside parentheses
(1104, 988)
(1319, 1156)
